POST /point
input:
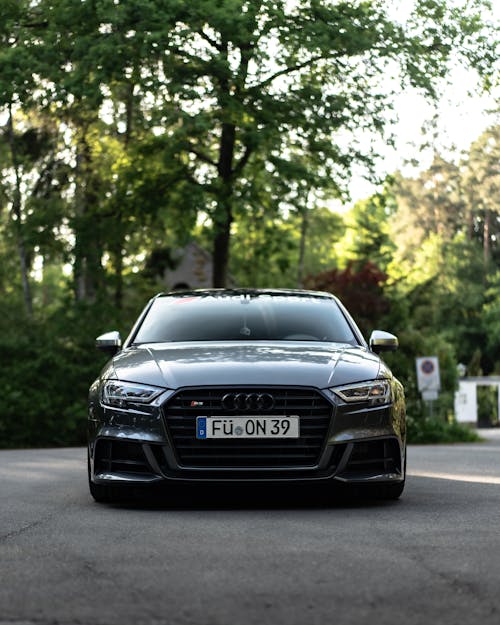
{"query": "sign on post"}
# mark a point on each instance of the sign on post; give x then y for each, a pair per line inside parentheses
(430, 395)
(428, 378)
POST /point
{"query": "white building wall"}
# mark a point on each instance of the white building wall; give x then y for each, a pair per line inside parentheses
(194, 269)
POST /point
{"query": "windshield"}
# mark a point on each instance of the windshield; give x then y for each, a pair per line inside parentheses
(260, 317)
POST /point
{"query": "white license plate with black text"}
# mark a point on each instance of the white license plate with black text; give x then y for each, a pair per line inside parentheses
(247, 427)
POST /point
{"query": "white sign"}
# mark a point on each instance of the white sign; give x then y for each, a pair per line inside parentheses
(466, 402)
(429, 395)
(428, 374)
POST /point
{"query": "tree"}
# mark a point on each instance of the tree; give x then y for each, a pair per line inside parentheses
(268, 76)
(17, 63)
(266, 245)
(369, 230)
(432, 203)
(482, 184)
(348, 284)
(242, 82)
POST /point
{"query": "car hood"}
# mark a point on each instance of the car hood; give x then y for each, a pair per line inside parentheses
(242, 364)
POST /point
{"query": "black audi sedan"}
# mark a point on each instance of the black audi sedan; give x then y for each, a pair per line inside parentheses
(246, 385)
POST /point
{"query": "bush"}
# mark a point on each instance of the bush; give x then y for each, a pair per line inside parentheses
(436, 430)
(46, 368)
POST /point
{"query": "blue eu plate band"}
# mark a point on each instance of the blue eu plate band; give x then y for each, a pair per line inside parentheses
(201, 427)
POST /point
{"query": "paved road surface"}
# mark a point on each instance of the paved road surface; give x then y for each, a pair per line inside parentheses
(279, 557)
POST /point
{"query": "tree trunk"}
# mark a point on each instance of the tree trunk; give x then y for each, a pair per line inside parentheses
(222, 238)
(80, 264)
(223, 217)
(16, 215)
(470, 223)
(87, 267)
(118, 251)
(302, 248)
(486, 237)
(118, 262)
(28, 302)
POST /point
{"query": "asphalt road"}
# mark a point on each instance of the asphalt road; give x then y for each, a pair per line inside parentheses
(229, 558)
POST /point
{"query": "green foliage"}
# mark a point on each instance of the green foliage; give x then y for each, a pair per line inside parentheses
(436, 430)
(368, 236)
(487, 406)
(47, 366)
(239, 89)
(265, 245)
(415, 343)
(491, 319)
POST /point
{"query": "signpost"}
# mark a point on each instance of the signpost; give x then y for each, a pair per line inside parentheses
(428, 379)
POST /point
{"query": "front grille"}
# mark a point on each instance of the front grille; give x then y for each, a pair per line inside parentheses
(313, 409)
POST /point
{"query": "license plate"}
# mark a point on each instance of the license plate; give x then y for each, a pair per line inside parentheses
(247, 427)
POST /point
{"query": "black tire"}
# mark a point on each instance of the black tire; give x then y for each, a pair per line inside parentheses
(103, 494)
(360, 492)
(391, 491)
(388, 491)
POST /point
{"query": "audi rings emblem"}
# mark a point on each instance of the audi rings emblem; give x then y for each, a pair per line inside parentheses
(248, 401)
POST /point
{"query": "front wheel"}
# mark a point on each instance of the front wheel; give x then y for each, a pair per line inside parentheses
(103, 494)
(373, 491)
(391, 491)
(388, 491)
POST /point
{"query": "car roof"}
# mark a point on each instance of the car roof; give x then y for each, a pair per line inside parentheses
(248, 292)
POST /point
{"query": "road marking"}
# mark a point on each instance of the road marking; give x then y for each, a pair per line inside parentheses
(457, 477)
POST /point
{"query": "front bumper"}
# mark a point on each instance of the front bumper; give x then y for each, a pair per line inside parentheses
(368, 461)
(358, 445)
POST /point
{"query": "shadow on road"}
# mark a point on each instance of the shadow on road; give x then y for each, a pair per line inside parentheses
(249, 497)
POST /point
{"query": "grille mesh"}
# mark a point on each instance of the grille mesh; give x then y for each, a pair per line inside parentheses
(313, 409)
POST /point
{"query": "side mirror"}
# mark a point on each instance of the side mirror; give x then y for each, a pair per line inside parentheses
(383, 342)
(110, 342)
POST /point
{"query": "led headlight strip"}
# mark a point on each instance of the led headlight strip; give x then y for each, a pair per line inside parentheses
(376, 392)
(120, 394)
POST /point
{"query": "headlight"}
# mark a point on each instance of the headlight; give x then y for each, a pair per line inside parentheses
(376, 393)
(120, 394)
